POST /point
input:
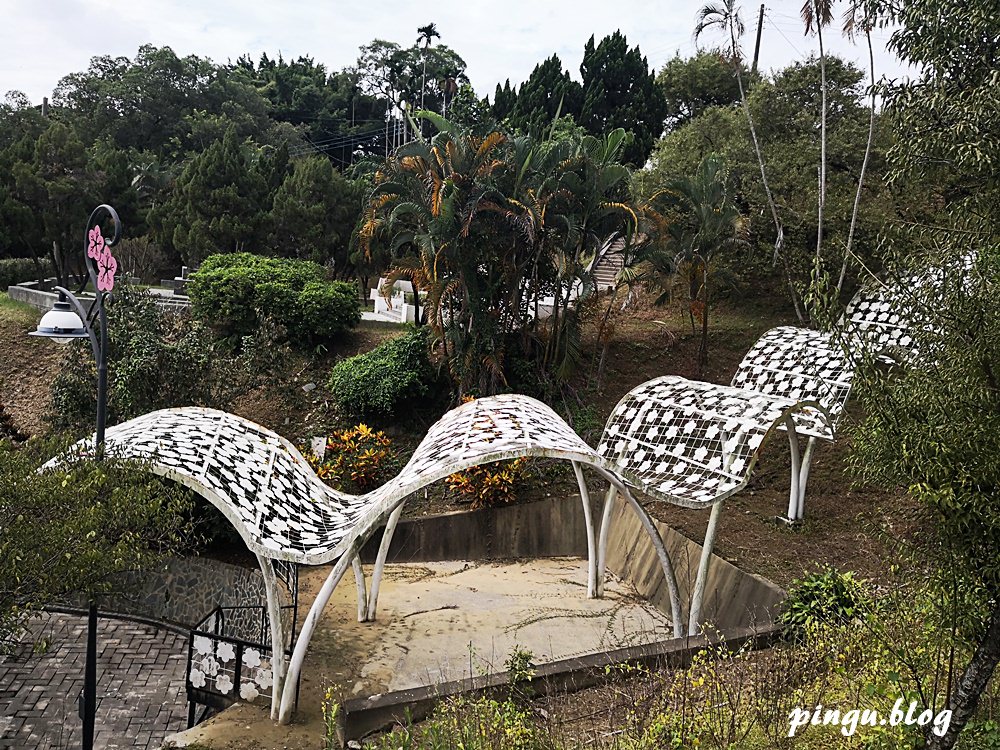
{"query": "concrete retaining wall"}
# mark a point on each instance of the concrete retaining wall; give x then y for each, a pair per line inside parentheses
(733, 597)
(30, 294)
(546, 528)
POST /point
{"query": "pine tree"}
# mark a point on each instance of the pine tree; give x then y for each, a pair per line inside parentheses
(619, 91)
(314, 212)
(503, 101)
(218, 203)
(548, 92)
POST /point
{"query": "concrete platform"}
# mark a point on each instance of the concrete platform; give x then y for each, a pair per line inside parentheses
(444, 621)
(447, 621)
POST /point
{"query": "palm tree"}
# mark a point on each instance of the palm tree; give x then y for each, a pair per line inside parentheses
(725, 16)
(851, 24)
(487, 226)
(710, 223)
(819, 13)
(426, 34)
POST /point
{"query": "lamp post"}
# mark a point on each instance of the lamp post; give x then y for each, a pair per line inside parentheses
(67, 320)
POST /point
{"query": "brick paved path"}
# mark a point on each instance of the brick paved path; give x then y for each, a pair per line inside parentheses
(140, 692)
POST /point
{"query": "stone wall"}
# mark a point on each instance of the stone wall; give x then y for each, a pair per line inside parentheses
(184, 590)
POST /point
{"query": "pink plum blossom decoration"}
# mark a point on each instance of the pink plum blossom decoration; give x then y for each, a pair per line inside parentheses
(95, 244)
(107, 266)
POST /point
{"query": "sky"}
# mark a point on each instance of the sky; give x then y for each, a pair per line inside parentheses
(43, 40)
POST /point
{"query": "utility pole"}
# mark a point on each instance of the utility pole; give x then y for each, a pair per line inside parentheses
(756, 47)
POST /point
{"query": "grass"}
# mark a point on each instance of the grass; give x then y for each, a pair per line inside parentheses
(19, 312)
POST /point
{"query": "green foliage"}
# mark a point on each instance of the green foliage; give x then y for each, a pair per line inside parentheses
(826, 596)
(235, 293)
(548, 92)
(327, 106)
(385, 381)
(323, 311)
(490, 231)
(314, 211)
(57, 183)
(786, 111)
(218, 202)
(692, 85)
(68, 532)
(158, 359)
(619, 91)
(705, 222)
(948, 115)
(479, 723)
(15, 270)
(980, 735)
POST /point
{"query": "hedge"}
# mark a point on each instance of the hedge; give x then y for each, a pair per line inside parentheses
(386, 380)
(16, 270)
(235, 291)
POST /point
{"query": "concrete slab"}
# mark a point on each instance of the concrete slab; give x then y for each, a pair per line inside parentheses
(441, 621)
(453, 620)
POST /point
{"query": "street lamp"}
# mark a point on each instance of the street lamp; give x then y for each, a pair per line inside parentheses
(68, 320)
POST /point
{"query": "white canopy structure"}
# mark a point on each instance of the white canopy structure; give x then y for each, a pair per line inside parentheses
(693, 453)
(685, 442)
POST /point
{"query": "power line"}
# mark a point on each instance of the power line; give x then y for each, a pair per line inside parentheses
(351, 140)
(778, 29)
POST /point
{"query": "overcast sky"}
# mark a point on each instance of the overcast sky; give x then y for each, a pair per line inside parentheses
(43, 40)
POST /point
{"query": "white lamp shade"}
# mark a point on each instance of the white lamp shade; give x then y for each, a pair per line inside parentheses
(61, 324)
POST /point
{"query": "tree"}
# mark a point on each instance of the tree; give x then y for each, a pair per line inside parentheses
(425, 34)
(218, 202)
(619, 91)
(58, 186)
(504, 100)
(787, 108)
(74, 530)
(548, 92)
(466, 108)
(932, 428)
(725, 17)
(315, 210)
(692, 85)
(852, 22)
(709, 223)
(817, 14)
(489, 225)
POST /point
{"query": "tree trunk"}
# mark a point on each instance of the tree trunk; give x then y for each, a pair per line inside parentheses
(864, 166)
(965, 699)
(822, 137)
(779, 240)
(703, 349)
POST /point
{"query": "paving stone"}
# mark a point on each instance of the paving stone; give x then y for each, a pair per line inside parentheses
(141, 697)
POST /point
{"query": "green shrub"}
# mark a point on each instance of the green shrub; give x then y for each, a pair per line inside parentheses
(324, 311)
(234, 292)
(386, 379)
(159, 359)
(16, 270)
(826, 596)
